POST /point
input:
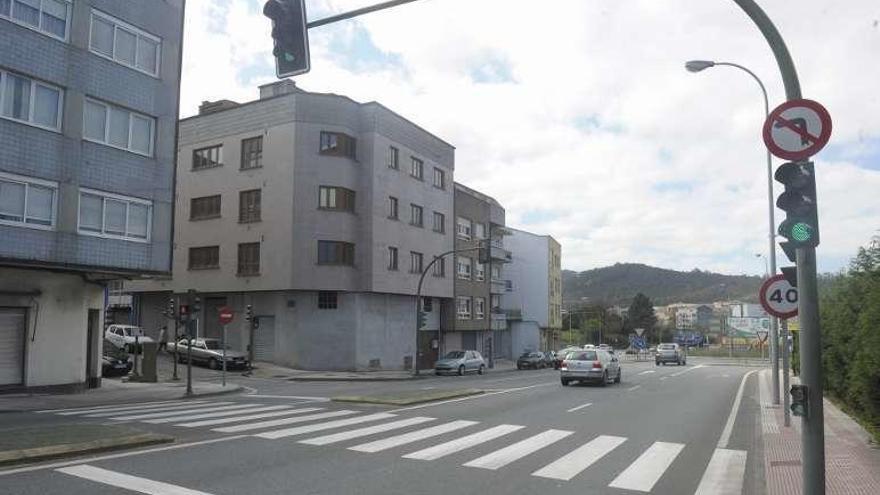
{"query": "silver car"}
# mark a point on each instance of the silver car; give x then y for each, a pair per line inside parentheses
(670, 353)
(210, 353)
(590, 365)
(460, 362)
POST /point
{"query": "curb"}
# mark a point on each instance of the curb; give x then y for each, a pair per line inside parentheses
(353, 379)
(407, 401)
(232, 389)
(37, 454)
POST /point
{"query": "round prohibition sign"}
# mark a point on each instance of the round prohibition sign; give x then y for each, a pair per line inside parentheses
(797, 129)
(779, 298)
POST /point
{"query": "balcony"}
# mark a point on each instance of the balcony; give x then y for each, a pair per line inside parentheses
(498, 253)
(119, 300)
(513, 314)
(500, 286)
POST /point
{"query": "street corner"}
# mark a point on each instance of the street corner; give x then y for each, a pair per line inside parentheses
(408, 398)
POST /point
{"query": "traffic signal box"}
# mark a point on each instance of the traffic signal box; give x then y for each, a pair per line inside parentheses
(291, 36)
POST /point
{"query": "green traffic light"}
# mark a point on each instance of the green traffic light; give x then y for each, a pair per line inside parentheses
(801, 232)
(289, 57)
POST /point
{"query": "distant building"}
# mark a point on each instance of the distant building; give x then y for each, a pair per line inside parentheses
(693, 317)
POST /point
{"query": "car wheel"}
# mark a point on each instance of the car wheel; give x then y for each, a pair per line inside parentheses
(656, 363)
(481, 370)
(619, 375)
(212, 363)
(604, 378)
(519, 367)
(564, 382)
(461, 370)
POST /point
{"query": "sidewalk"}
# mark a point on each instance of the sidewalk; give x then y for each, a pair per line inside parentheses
(852, 463)
(269, 370)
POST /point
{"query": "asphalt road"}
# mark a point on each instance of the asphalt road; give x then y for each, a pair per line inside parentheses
(654, 433)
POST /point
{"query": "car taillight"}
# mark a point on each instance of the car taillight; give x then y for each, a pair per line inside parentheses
(564, 364)
(597, 364)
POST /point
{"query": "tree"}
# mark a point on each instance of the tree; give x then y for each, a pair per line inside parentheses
(641, 314)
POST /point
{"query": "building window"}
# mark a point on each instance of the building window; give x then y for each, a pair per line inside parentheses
(496, 272)
(427, 304)
(249, 206)
(209, 157)
(495, 300)
(439, 178)
(30, 101)
(463, 267)
(335, 253)
(439, 223)
(479, 308)
(338, 144)
(479, 230)
(124, 43)
(392, 208)
(204, 258)
(249, 258)
(335, 198)
(117, 127)
(463, 228)
(417, 169)
(27, 202)
(480, 272)
(415, 215)
(393, 158)
(252, 153)
(204, 207)
(328, 300)
(463, 308)
(439, 267)
(111, 215)
(415, 262)
(47, 16)
(392, 258)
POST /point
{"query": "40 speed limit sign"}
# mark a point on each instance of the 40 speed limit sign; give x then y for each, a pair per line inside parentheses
(779, 298)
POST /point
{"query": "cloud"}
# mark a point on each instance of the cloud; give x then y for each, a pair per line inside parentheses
(580, 118)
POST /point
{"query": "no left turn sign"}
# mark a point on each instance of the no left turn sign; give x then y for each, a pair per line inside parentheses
(797, 129)
(779, 298)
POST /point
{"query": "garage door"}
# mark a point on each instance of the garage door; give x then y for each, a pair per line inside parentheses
(264, 339)
(11, 346)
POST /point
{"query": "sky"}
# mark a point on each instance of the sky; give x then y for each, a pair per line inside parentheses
(578, 115)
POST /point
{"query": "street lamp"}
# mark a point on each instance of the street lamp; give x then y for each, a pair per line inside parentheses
(701, 65)
(766, 269)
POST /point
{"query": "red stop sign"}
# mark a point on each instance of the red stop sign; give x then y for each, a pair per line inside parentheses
(225, 314)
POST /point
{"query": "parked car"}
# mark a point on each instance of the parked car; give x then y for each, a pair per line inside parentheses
(114, 366)
(591, 365)
(210, 353)
(560, 356)
(532, 360)
(606, 347)
(670, 353)
(550, 359)
(460, 362)
(124, 336)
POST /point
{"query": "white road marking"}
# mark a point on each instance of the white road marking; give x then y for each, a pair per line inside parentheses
(104, 414)
(116, 407)
(183, 413)
(487, 394)
(692, 368)
(127, 481)
(731, 418)
(298, 430)
(505, 456)
(725, 473)
(578, 408)
(647, 372)
(396, 441)
(283, 421)
(462, 443)
(634, 388)
(224, 421)
(569, 465)
(221, 414)
(295, 397)
(644, 473)
(369, 430)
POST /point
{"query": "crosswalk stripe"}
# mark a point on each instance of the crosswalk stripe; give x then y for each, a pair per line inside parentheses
(298, 430)
(369, 430)
(406, 438)
(127, 481)
(505, 456)
(644, 473)
(462, 443)
(181, 413)
(569, 465)
(104, 414)
(144, 406)
(221, 414)
(224, 421)
(284, 421)
(725, 473)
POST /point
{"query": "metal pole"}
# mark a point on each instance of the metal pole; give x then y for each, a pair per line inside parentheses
(224, 354)
(786, 366)
(176, 339)
(189, 349)
(357, 12)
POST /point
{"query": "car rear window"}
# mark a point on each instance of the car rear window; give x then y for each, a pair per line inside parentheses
(583, 356)
(667, 347)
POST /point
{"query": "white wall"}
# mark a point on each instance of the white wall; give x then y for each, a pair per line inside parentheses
(530, 277)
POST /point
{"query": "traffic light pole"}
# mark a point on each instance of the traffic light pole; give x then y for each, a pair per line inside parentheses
(357, 12)
(813, 424)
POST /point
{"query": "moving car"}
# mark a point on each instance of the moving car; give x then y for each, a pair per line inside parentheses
(550, 358)
(210, 353)
(532, 360)
(124, 336)
(670, 353)
(460, 362)
(590, 365)
(560, 356)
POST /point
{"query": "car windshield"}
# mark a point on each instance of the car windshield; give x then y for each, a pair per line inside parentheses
(667, 347)
(583, 356)
(454, 355)
(213, 344)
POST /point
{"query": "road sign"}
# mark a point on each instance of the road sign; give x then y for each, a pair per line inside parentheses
(797, 129)
(225, 315)
(778, 297)
(762, 335)
(639, 331)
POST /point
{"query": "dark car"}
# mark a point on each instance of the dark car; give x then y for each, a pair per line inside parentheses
(560, 355)
(114, 366)
(550, 359)
(532, 360)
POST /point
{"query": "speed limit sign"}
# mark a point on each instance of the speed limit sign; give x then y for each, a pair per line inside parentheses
(779, 298)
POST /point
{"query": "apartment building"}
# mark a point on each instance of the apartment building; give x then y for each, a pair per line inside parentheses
(320, 213)
(88, 113)
(533, 305)
(478, 322)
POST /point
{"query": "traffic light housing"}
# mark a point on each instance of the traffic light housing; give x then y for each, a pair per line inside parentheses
(197, 306)
(290, 35)
(800, 404)
(790, 274)
(422, 319)
(248, 312)
(801, 224)
(171, 313)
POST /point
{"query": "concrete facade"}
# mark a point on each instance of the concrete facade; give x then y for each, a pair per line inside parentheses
(83, 129)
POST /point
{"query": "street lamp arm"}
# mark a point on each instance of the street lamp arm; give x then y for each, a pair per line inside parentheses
(756, 78)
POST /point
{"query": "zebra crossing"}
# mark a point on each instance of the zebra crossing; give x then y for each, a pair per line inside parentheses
(314, 425)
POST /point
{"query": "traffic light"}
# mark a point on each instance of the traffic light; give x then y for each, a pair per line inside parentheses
(291, 36)
(790, 274)
(170, 307)
(248, 312)
(422, 319)
(801, 225)
(197, 306)
(799, 401)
